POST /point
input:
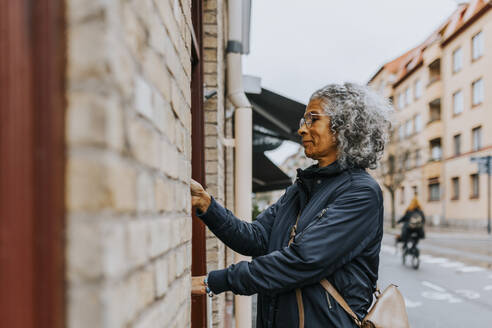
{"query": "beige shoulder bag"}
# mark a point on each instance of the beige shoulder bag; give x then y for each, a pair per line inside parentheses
(387, 312)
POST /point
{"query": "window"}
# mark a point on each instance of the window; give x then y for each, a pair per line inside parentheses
(457, 102)
(418, 89)
(401, 101)
(408, 128)
(406, 161)
(477, 138)
(418, 123)
(475, 187)
(434, 191)
(477, 92)
(455, 182)
(457, 144)
(435, 110)
(401, 132)
(457, 60)
(408, 96)
(418, 157)
(434, 71)
(436, 151)
(477, 46)
(402, 195)
(415, 190)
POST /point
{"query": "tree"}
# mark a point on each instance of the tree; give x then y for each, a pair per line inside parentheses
(392, 173)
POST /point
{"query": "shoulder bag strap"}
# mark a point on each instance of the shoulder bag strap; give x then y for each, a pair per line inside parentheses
(300, 305)
(333, 292)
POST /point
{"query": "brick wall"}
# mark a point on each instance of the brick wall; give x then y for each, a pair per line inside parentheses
(214, 40)
(129, 163)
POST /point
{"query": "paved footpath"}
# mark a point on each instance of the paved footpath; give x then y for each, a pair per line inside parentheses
(443, 292)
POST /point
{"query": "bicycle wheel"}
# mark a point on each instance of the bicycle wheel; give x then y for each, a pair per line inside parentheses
(415, 262)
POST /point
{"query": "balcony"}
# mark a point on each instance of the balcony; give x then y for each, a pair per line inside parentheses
(432, 53)
(434, 72)
(434, 127)
(434, 90)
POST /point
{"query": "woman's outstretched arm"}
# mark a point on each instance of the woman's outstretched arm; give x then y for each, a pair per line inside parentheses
(350, 224)
(250, 239)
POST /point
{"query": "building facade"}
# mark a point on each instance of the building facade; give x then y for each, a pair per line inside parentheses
(118, 98)
(443, 118)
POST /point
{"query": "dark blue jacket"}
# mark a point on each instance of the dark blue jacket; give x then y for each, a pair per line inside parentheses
(339, 238)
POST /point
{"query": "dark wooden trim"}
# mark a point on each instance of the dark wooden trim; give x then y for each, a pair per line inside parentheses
(48, 85)
(198, 250)
(16, 167)
(32, 70)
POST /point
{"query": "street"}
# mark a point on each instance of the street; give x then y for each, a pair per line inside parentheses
(446, 291)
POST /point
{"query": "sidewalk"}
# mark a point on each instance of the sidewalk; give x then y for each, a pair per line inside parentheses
(470, 247)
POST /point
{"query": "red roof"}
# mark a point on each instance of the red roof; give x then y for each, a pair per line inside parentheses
(464, 15)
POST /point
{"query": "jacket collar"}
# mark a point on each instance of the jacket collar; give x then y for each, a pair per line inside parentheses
(314, 171)
(305, 179)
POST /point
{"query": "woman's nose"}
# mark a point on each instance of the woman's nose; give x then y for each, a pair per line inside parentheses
(302, 129)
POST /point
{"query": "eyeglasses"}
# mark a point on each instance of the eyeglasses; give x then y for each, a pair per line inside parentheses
(308, 119)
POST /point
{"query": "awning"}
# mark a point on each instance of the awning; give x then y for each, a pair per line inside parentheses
(267, 176)
(275, 119)
(278, 114)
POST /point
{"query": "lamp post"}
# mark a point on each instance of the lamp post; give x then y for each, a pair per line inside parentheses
(485, 166)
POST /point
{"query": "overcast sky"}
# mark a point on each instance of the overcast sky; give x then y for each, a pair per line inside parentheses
(298, 46)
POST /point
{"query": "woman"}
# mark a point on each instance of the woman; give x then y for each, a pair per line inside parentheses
(334, 211)
(413, 221)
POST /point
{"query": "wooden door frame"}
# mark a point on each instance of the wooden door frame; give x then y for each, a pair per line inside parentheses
(198, 250)
(32, 163)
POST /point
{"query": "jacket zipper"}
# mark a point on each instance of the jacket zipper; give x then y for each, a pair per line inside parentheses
(328, 298)
(314, 221)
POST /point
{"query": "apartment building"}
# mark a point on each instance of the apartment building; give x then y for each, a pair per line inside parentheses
(443, 118)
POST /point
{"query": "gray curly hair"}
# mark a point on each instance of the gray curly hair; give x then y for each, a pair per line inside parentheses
(360, 121)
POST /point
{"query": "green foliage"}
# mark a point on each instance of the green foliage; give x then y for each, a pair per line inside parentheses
(256, 210)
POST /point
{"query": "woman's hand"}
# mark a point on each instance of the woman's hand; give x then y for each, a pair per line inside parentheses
(199, 197)
(198, 285)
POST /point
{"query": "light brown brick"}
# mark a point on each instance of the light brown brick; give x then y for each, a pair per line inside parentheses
(86, 185)
(209, 17)
(210, 55)
(144, 143)
(153, 67)
(145, 286)
(84, 306)
(122, 183)
(87, 51)
(84, 250)
(137, 236)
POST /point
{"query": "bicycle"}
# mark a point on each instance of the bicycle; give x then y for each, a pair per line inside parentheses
(412, 251)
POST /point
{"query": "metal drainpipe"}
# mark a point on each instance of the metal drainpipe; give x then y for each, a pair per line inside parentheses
(243, 142)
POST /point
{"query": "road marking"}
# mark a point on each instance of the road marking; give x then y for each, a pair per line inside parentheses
(411, 304)
(432, 286)
(438, 296)
(435, 260)
(466, 293)
(488, 287)
(470, 269)
(452, 265)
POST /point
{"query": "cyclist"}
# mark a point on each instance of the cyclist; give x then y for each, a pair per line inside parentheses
(413, 222)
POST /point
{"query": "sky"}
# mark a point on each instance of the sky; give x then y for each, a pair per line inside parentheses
(298, 46)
